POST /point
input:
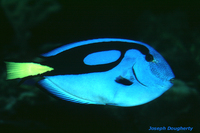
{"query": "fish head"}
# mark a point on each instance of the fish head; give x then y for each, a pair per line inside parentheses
(153, 71)
(143, 78)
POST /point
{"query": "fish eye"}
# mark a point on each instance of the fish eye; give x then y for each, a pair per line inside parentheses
(149, 58)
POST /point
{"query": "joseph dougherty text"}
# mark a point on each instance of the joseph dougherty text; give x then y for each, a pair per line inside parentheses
(170, 128)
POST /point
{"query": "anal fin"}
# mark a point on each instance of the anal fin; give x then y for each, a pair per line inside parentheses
(60, 93)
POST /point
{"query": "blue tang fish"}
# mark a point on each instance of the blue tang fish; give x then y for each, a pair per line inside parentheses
(105, 71)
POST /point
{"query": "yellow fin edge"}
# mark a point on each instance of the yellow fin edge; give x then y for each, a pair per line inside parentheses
(20, 70)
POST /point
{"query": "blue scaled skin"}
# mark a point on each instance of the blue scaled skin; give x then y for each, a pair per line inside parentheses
(107, 71)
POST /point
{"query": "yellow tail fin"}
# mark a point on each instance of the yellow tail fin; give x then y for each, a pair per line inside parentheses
(20, 70)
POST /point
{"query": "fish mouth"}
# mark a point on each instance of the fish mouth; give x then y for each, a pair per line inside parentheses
(134, 73)
(172, 80)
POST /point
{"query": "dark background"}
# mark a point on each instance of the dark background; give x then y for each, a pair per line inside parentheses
(31, 27)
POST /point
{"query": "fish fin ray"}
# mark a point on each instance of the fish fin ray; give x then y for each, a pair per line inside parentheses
(20, 70)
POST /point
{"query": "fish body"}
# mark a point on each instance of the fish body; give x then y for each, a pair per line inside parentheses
(106, 71)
